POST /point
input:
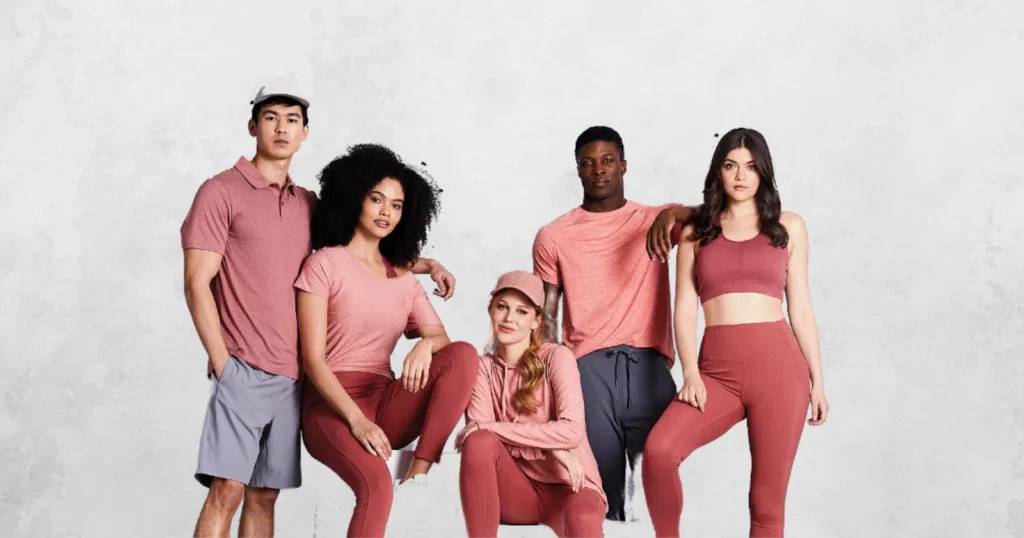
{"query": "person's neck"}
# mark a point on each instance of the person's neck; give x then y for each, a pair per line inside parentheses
(275, 170)
(365, 247)
(603, 206)
(739, 210)
(511, 354)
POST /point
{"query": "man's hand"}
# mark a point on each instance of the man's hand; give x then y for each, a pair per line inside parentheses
(659, 236)
(444, 279)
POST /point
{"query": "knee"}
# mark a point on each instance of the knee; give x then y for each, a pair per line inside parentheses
(586, 515)
(375, 487)
(480, 447)
(464, 360)
(662, 450)
(263, 498)
(226, 493)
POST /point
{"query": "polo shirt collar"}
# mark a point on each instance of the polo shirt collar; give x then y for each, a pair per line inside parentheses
(255, 178)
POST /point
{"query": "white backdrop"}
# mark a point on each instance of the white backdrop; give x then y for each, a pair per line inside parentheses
(896, 131)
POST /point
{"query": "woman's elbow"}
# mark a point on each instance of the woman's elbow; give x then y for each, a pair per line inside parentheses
(801, 318)
(575, 432)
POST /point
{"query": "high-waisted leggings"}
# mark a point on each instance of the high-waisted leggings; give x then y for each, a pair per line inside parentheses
(429, 414)
(495, 490)
(754, 371)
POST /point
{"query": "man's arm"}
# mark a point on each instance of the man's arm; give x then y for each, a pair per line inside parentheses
(445, 280)
(669, 222)
(201, 266)
(552, 296)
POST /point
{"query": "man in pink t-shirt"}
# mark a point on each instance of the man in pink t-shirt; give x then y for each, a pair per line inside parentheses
(244, 239)
(618, 318)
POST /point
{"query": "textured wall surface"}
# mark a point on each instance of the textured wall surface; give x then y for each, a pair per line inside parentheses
(896, 129)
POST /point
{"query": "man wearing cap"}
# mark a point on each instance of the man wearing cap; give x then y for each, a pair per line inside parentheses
(618, 319)
(244, 239)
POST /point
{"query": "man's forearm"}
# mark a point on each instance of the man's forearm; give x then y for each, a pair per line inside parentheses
(551, 329)
(206, 319)
(423, 266)
(552, 296)
(682, 214)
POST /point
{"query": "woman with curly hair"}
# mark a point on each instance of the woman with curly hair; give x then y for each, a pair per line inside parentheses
(356, 297)
(525, 455)
(740, 257)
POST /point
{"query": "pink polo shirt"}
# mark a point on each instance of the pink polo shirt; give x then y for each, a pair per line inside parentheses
(366, 313)
(614, 294)
(262, 232)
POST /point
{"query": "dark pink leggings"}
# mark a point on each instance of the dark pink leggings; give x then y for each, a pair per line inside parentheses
(754, 371)
(430, 414)
(494, 490)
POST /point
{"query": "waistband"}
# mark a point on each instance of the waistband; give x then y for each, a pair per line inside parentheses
(748, 342)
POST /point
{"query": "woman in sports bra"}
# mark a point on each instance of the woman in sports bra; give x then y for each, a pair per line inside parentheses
(356, 297)
(739, 257)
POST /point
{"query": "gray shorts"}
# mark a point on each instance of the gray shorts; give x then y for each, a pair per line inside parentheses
(251, 431)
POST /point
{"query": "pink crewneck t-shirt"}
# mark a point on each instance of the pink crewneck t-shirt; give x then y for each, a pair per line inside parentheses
(366, 313)
(614, 294)
(557, 424)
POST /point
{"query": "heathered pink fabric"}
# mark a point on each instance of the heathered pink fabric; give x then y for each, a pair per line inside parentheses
(557, 424)
(263, 233)
(614, 294)
(366, 314)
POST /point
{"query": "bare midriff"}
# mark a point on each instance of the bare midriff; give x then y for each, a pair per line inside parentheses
(738, 308)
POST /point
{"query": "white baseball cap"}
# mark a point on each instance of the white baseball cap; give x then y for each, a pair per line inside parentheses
(264, 94)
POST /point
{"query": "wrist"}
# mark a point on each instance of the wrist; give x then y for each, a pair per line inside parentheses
(355, 418)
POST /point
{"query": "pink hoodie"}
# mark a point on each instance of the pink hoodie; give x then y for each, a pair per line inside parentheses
(557, 424)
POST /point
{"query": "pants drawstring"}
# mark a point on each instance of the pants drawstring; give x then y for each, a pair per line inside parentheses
(627, 354)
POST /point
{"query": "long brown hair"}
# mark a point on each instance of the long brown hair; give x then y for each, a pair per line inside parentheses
(769, 206)
(531, 368)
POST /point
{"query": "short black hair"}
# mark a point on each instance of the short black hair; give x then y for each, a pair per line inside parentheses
(346, 182)
(600, 133)
(279, 100)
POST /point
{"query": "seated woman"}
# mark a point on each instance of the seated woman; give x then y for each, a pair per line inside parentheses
(356, 297)
(525, 455)
(740, 257)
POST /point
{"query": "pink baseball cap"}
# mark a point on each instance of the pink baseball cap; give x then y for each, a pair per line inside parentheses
(528, 283)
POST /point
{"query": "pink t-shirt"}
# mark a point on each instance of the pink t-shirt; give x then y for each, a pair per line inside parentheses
(614, 294)
(557, 424)
(262, 232)
(366, 313)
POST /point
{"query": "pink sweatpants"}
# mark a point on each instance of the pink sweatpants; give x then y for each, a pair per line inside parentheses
(429, 414)
(494, 490)
(754, 371)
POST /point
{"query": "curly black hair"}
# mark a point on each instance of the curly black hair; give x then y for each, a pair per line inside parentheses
(346, 182)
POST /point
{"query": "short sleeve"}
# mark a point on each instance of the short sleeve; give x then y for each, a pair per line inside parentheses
(422, 313)
(209, 219)
(316, 275)
(545, 257)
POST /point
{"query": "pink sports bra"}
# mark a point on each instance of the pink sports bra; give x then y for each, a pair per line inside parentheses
(752, 266)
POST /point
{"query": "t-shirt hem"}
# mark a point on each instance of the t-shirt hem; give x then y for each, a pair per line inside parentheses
(389, 374)
(270, 368)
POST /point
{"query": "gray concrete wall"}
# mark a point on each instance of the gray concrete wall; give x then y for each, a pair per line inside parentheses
(896, 129)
